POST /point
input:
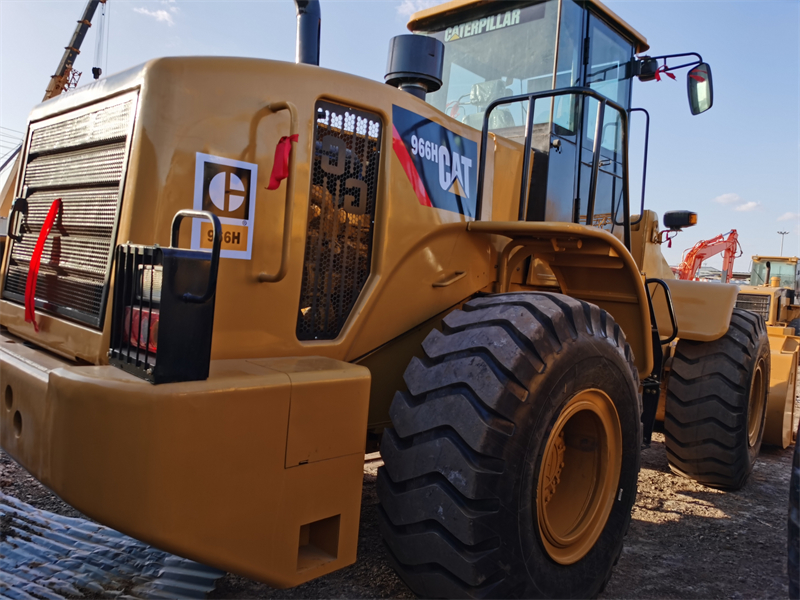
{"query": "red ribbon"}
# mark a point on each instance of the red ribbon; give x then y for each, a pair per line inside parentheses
(663, 69)
(36, 259)
(280, 166)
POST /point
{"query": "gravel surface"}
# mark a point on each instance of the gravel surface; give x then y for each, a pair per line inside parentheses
(685, 540)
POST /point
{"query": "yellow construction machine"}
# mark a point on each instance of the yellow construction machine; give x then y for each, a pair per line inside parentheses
(216, 295)
(773, 293)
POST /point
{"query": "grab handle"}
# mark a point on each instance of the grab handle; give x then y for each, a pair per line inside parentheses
(216, 243)
(670, 307)
(19, 207)
(264, 277)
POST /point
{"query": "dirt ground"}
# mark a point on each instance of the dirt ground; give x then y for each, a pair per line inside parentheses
(685, 540)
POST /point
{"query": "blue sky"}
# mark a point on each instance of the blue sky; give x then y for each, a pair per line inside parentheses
(737, 166)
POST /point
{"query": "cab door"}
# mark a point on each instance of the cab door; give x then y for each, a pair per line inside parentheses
(607, 71)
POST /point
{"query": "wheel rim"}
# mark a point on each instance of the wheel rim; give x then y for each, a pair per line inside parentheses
(758, 393)
(578, 478)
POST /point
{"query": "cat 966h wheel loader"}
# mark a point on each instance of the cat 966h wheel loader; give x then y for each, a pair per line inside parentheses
(214, 295)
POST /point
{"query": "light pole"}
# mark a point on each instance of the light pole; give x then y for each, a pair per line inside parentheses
(782, 233)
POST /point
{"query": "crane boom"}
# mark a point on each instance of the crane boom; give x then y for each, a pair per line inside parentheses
(60, 80)
(704, 249)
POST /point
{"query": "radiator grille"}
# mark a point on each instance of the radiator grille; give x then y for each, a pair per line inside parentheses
(80, 158)
(341, 218)
(755, 303)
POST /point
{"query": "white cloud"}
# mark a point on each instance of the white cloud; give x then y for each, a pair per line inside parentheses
(158, 15)
(164, 15)
(789, 216)
(729, 199)
(406, 8)
(736, 202)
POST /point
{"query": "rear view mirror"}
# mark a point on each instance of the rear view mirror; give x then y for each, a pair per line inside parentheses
(701, 91)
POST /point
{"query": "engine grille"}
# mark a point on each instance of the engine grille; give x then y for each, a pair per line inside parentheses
(81, 158)
(341, 218)
(755, 303)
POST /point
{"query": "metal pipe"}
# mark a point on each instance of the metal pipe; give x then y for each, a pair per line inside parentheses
(309, 23)
(626, 182)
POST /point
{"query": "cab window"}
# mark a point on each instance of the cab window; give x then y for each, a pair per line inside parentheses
(506, 52)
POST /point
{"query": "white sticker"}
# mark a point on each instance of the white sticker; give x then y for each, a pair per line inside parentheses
(226, 188)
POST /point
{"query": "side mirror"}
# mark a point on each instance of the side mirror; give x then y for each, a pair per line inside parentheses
(700, 88)
(675, 220)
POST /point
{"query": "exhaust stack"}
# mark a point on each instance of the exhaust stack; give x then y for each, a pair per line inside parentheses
(309, 22)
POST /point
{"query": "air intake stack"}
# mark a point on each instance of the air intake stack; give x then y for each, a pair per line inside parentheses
(309, 23)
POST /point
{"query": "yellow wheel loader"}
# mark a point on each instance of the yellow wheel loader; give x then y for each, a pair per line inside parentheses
(215, 296)
(773, 293)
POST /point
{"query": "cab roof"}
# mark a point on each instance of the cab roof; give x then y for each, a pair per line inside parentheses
(788, 259)
(432, 18)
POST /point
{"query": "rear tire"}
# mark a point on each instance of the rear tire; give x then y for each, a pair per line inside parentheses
(716, 403)
(522, 397)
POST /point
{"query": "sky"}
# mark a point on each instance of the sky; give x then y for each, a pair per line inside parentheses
(737, 165)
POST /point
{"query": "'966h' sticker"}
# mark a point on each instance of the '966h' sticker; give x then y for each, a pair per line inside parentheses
(441, 166)
(227, 189)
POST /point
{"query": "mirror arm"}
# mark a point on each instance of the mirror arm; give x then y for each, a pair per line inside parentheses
(688, 64)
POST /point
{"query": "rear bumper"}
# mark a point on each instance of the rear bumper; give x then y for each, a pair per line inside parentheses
(257, 470)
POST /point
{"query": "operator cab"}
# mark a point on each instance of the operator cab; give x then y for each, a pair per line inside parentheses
(495, 50)
(764, 268)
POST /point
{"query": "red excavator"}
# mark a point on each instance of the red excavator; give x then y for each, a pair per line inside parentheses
(693, 258)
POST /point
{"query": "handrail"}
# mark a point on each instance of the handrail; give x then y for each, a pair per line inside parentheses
(216, 244)
(264, 277)
(524, 184)
(644, 164)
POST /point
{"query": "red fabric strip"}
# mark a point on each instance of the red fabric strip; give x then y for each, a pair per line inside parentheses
(663, 69)
(36, 259)
(410, 168)
(280, 166)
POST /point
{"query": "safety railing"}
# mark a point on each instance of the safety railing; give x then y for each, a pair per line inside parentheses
(526, 161)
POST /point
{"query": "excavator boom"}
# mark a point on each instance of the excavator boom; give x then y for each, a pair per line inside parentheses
(705, 249)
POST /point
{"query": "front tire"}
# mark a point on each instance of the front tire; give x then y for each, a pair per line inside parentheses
(716, 403)
(512, 466)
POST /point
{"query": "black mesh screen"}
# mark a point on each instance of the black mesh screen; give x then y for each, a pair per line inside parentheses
(341, 218)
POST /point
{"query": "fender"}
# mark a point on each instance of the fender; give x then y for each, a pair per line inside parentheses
(702, 309)
(589, 264)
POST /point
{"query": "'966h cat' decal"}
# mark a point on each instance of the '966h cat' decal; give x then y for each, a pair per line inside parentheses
(441, 166)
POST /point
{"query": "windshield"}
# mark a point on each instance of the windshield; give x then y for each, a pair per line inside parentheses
(784, 270)
(504, 53)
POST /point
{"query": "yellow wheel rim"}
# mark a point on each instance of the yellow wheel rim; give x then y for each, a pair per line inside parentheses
(758, 393)
(579, 474)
